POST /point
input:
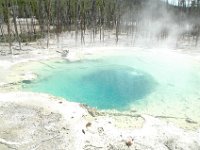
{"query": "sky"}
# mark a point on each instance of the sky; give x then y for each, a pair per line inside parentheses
(175, 2)
(172, 1)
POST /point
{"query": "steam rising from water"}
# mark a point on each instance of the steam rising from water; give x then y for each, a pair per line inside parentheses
(153, 23)
(160, 24)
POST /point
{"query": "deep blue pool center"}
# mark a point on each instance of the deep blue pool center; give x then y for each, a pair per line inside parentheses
(103, 87)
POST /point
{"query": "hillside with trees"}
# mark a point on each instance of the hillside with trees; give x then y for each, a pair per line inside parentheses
(29, 20)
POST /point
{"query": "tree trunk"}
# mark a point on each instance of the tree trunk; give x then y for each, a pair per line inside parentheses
(48, 23)
(7, 21)
(15, 26)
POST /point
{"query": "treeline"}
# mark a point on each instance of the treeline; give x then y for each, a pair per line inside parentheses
(28, 20)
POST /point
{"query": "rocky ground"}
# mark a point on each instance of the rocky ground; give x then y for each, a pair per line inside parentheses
(32, 121)
(42, 122)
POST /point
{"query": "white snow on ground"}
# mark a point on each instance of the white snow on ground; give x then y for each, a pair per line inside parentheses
(38, 121)
(30, 121)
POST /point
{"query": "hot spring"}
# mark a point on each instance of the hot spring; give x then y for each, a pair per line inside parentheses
(105, 87)
(160, 83)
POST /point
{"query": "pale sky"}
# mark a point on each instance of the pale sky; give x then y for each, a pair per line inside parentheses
(175, 2)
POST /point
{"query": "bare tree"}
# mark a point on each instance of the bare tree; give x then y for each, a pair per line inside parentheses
(48, 23)
(6, 11)
(14, 11)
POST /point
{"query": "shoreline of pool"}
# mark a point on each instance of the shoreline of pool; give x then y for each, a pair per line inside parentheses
(36, 115)
(30, 118)
(20, 72)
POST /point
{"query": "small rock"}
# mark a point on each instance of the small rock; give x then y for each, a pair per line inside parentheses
(133, 111)
(83, 131)
(100, 130)
(129, 142)
(88, 124)
(188, 120)
(26, 81)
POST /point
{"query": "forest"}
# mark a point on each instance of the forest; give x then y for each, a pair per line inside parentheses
(29, 20)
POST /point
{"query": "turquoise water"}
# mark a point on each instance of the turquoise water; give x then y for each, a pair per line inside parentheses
(156, 83)
(104, 87)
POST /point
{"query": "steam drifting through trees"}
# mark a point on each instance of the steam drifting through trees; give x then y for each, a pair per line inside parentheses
(29, 20)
